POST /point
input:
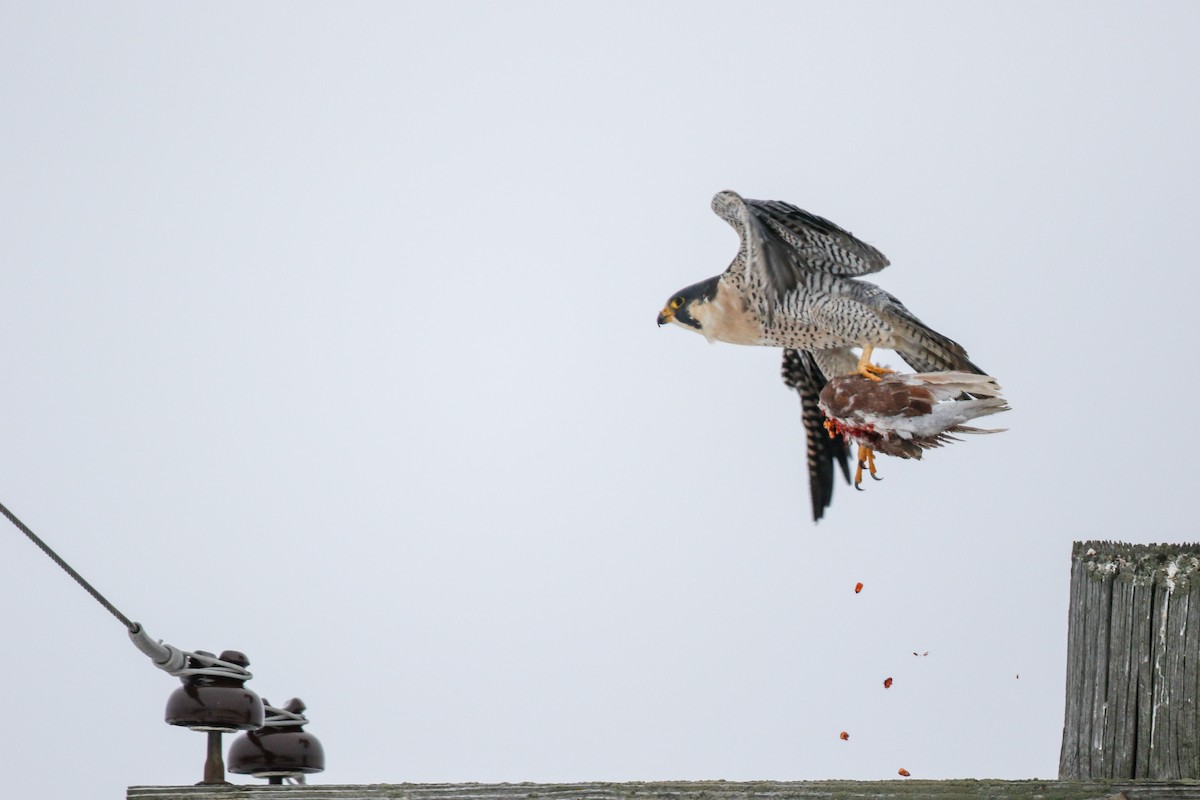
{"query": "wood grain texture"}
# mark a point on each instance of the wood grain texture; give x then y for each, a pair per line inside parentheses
(1133, 663)
(698, 790)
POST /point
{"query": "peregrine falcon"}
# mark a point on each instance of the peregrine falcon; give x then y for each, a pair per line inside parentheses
(905, 415)
(794, 284)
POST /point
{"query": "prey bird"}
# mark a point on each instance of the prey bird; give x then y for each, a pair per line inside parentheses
(905, 415)
(794, 284)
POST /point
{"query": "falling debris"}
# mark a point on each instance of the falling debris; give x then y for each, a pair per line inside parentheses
(845, 737)
(903, 773)
(858, 587)
(887, 683)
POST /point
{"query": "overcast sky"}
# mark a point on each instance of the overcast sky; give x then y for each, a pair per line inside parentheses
(328, 335)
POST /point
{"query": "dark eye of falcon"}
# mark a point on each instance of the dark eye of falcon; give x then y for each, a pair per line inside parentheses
(677, 303)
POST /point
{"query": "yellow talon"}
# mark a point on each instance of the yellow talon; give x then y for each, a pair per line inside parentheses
(866, 458)
(868, 370)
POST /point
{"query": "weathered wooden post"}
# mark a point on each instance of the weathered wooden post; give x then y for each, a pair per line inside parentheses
(1133, 663)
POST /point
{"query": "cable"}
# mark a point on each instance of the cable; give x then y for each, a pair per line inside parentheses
(210, 665)
(33, 537)
(180, 663)
(282, 718)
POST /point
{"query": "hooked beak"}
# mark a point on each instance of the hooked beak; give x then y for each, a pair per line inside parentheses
(665, 316)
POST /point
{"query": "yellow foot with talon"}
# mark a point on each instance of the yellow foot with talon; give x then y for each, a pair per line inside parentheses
(868, 370)
(866, 458)
(872, 372)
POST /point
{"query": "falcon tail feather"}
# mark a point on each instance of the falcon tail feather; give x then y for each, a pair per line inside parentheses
(800, 372)
(923, 348)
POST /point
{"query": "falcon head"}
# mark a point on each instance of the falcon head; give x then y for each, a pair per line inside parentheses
(687, 306)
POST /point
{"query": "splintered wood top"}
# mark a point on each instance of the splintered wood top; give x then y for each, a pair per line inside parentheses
(1176, 566)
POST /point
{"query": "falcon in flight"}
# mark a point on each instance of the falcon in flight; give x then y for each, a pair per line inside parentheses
(794, 284)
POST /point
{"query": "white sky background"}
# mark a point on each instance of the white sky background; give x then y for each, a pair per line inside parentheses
(328, 335)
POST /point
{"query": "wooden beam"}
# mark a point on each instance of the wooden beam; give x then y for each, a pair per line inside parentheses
(697, 790)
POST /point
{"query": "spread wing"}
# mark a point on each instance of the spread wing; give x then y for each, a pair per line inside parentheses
(783, 243)
(800, 372)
